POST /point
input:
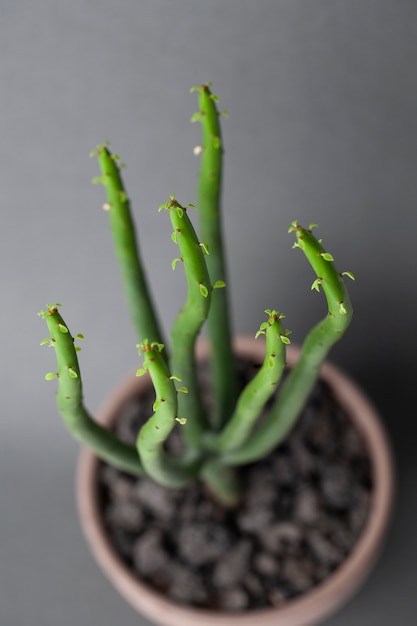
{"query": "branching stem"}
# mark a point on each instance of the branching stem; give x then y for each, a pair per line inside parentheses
(70, 400)
(158, 464)
(300, 381)
(253, 398)
(223, 365)
(126, 247)
(188, 323)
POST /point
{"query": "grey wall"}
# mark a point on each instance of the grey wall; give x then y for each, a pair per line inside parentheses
(322, 99)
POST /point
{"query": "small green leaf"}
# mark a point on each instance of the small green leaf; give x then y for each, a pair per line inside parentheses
(219, 284)
(349, 275)
(50, 310)
(63, 329)
(293, 227)
(181, 420)
(99, 148)
(316, 284)
(141, 371)
(214, 97)
(122, 196)
(51, 375)
(224, 113)
(174, 262)
(271, 362)
(174, 236)
(72, 373)
(196, 117)
(342, 309)
(204, 248)
(156, 405)
(217, 142)
(79, 336)
(77, 348)
(203, 290)
(260, 332)
(142, 347)
(45, 341)
(182, 390)
(311, 226)
(174, 377)
(180, 211)
(326, 256)
(285, 339)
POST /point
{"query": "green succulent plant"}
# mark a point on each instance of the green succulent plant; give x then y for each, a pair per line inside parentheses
(230, 435)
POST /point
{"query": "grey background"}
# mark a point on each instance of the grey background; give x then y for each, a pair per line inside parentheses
(322, 100)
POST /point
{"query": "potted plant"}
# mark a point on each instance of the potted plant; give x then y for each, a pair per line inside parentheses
(272, 446)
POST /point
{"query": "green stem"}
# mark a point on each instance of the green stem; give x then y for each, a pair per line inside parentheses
(301, 379)
(160, 466)
(256, 393)
(223, 366)
(70, 400)
(126, 247)
(223, 482)
(189, 321)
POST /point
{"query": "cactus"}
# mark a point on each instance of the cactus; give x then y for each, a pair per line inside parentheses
(209, 196)
(70, 398)
(216, 443)
(190, 319)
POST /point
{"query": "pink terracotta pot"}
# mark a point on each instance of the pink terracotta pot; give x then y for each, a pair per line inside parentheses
(306, 610)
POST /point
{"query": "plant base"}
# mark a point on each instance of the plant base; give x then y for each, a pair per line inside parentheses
(304, 525)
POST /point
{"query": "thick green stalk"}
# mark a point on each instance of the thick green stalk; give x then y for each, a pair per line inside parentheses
(160, 466)
(223, 482)
(70, 399)
(126, 247)
(223, 366)
(301, 379)
(189, 321)
(256, 393)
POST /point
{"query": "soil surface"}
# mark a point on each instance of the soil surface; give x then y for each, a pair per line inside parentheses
(304, 508)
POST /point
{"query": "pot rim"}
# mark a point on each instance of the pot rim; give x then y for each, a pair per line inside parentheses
(304, 610)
